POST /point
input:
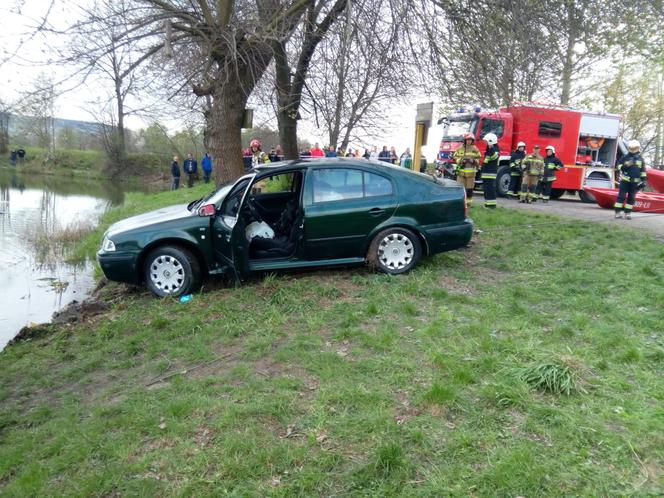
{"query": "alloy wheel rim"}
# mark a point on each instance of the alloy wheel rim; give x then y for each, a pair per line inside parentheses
(167, 274)
(395, 251)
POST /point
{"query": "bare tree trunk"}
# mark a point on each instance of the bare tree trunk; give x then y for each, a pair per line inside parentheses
(121, 145)
(224, 128)
(568, 59)
(287, 106)
(4, 132)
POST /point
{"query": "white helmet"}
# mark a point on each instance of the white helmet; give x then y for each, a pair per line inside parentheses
(551, 148)
(520, 144)
(491, 138)
(633, 145)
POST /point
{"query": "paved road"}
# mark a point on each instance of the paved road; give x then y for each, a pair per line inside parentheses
(573, 207)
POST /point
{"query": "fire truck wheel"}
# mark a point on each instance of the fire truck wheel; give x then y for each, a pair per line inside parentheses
(586, 197)
(557, 193)
(503, 181)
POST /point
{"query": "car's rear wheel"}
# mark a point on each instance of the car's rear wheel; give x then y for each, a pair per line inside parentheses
(172, 271)
(394, 251)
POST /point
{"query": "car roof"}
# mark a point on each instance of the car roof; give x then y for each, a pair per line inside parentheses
(324, 162)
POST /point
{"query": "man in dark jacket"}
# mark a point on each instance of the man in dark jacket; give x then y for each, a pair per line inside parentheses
(206, 166)
(384, 155)
(632, 170)
(191, 168)
(516, 171)
(175, 174)
(551, 165)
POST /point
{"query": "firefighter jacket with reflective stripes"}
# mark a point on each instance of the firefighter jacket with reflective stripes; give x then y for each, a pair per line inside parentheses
(551, 165)
(632, 168)
(490, 166)
(533, 164)
(515, 162)
(467, 158)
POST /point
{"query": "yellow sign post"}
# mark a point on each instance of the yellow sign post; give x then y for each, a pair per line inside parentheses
(422, 123)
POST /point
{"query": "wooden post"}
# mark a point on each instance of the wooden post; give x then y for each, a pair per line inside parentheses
(417, 150)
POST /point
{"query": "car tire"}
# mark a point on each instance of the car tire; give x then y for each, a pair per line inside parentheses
(172, 271)
(586, 197)
(394, 251)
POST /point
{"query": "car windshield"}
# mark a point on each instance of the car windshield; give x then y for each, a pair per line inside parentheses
(454, 130)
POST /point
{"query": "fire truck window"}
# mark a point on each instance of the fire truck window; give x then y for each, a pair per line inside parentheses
(550, 129)
(492, 126)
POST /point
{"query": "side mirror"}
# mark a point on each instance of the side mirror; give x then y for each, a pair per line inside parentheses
(207, 210)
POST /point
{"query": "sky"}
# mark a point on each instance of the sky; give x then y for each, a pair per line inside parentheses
(24, 56)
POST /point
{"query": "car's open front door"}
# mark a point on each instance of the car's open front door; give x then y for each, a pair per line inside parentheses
(230, 241)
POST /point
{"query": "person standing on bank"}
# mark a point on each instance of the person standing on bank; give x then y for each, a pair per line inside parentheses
(632, 169)
(175, 174)
(467, 159)
(490, 170)
(515, 170)
(533, 166)
(191, 168)
(551, 165)
(206, 166)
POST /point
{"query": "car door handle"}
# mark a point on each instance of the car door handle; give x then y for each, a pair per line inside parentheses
(376, 211)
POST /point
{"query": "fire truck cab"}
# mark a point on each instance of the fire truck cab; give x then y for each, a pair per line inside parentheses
(587, 143)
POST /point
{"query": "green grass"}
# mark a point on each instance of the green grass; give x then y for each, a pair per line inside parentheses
(72, 163)
(348, 383)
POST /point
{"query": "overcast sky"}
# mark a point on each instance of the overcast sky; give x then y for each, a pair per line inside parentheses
(24, 55)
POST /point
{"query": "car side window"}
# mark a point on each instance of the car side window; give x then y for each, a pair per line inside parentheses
(376, 185)
(273, 184)
(337, 184)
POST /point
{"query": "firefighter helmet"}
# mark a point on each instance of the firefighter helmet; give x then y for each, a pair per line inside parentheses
(491, 138)
(469, 136)
(255, 143)
(633, 145)
(520, 144)
(551, 148)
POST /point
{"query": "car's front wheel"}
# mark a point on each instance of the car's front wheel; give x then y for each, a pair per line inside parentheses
(394, 251)
(172, 271)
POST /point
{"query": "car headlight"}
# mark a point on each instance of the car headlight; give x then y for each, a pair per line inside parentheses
(107, 245)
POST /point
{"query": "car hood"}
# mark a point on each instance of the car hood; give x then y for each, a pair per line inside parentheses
(162, 215)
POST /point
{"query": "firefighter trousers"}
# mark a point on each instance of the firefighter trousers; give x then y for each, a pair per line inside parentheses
(489, 185)
(627, 190)
(546, 189)
(515, 185)
(467, 180)
(528, 186)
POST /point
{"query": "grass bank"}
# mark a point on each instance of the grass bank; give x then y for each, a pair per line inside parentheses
(450, 380)
(90, 164)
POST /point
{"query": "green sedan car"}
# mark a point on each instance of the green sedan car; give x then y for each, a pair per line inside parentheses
(290, 215)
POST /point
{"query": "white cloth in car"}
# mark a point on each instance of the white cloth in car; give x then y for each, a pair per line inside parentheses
(259, 229)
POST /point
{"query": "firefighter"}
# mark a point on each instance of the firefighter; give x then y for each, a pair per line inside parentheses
(490, 170)
(533, 166)
(467, 159)
(255, 153)
(632, 170)
(551, 165)
(515, 169)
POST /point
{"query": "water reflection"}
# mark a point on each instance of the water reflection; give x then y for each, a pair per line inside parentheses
(34, 211)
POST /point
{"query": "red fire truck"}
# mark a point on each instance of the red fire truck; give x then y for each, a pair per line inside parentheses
(587, 143)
